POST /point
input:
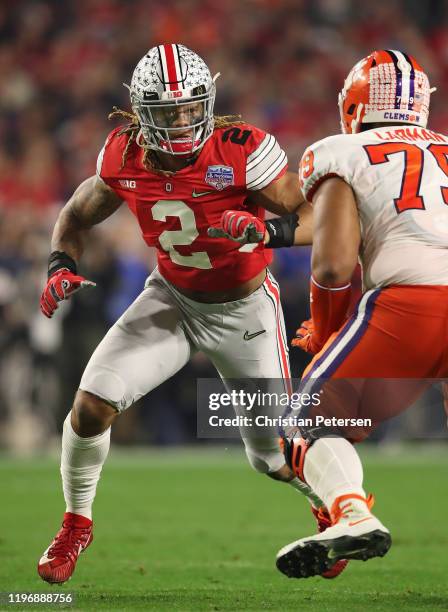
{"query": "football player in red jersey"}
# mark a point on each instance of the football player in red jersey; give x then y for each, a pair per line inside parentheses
(179, 169)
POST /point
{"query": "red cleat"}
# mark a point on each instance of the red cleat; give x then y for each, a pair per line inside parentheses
(58, 562)
(323, 521)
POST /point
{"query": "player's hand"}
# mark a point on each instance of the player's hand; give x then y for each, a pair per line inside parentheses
(239, 226)
(60, 286)
(304, 338)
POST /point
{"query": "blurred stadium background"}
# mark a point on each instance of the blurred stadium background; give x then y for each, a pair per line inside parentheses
(62, 64)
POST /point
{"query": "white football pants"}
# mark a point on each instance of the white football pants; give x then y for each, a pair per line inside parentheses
(160, 331)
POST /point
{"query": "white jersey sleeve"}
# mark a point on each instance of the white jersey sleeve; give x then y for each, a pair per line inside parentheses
(321, 162)
(265, 163)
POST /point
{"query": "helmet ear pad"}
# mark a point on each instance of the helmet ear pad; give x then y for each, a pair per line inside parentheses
(385, 87)
(176, 79)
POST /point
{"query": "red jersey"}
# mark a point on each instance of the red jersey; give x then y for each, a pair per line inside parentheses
(174, 212)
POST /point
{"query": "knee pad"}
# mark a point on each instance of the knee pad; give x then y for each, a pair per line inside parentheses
(264, 459)
(107, 385)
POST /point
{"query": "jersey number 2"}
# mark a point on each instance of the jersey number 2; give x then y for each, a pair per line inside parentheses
(409, 198)
(169, 239)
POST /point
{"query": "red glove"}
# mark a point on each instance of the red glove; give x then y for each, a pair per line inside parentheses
(304, 338)
(239, 226)
(60, 286)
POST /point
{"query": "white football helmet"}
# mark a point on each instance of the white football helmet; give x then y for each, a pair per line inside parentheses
(173, 94)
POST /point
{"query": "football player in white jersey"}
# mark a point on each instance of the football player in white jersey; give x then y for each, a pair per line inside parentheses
(379, 192)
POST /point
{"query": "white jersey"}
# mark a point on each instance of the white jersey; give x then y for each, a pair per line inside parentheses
(399, 175)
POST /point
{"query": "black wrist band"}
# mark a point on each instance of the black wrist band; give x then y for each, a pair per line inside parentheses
(281, 231)
(58, 260)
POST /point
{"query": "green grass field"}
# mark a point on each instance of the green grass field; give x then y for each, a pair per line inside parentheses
(193, 530)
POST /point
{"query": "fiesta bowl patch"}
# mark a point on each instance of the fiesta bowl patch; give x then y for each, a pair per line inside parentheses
(219, 177)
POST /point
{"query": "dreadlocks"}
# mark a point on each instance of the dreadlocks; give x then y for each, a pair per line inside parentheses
(132, 128)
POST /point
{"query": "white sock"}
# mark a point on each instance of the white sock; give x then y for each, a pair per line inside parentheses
(332, 468)
(306, 490)
(81, 463)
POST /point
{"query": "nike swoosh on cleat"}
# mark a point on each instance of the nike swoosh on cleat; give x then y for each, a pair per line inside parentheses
(248, 336)
(198, 194)
(368, 518)
(333, 554)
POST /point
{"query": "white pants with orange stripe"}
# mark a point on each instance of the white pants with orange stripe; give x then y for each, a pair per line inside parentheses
(162, 329)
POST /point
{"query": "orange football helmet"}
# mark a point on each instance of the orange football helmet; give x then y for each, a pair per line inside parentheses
(384, 87)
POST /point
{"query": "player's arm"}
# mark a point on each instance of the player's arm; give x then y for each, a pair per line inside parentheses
(92, 202)
(336, 242)
(283, 197)
(337, 235)
(289, 230)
